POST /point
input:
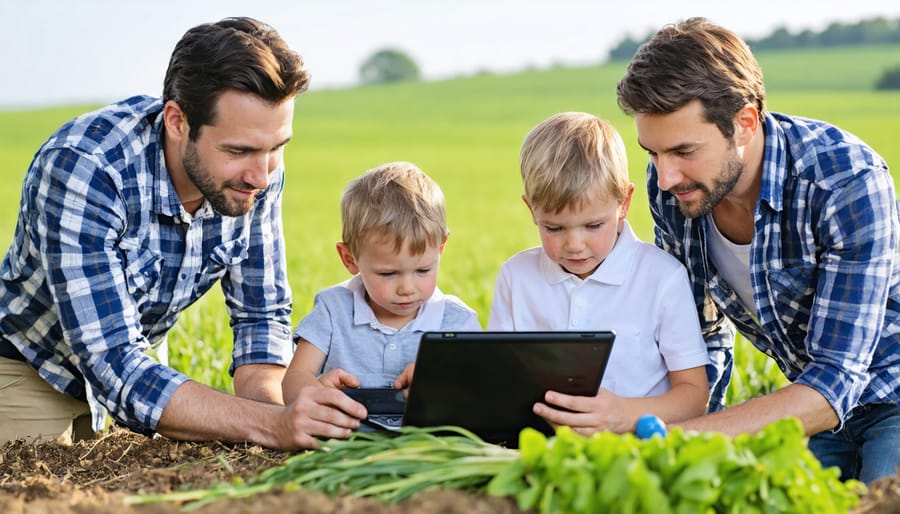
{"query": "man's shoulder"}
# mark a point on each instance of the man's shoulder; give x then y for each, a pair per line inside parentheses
(824, 153)
(111, 131)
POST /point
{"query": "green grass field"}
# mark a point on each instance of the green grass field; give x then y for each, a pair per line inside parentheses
(466, 134)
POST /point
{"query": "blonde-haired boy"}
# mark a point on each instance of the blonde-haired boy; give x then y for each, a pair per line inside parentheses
(592, 273)
(365, 331)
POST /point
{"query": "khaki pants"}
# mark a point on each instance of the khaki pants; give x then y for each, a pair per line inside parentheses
(30, 409)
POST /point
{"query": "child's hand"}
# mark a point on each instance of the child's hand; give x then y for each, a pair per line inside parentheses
(586, 414)
(338, 379)
(403, 380)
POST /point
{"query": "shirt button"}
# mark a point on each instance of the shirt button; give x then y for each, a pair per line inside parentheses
(392, 346)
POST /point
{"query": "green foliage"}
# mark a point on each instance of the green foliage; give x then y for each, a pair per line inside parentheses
(890, 79)
(380, 465)
(684, 472)
(388, 65)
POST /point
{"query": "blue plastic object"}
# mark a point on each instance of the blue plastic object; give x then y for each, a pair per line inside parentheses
(648, 426)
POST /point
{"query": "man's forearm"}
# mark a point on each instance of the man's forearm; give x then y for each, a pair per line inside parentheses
(795, 400)
(260, 382)
(199, 413)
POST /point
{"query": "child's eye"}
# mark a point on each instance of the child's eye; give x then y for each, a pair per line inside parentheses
(386, 273)
(549, 228)
(594, 226)
(423, 271)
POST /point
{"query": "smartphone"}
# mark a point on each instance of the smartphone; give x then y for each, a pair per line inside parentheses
(379, 400)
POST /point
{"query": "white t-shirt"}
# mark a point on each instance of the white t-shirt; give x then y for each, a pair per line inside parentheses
(732, 261)
(640, 291)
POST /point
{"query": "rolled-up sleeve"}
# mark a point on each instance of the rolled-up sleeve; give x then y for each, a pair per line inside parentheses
(77, 229)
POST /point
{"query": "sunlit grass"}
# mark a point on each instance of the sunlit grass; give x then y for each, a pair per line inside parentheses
(466, 134)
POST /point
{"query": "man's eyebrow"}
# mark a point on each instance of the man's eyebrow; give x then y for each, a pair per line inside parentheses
(249, 148)
(680, 147)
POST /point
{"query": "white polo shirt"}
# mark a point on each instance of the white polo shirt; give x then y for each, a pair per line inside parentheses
(639, 290)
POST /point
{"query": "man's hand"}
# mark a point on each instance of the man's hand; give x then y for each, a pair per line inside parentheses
(323, 412)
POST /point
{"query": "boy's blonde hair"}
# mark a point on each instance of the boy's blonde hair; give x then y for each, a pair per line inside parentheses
(569, 159)
(395, 200)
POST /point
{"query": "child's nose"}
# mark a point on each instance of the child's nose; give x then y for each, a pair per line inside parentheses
(573, 242)
(405, 286)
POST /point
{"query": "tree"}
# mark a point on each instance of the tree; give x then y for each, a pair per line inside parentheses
(890, 79)
(388, 65)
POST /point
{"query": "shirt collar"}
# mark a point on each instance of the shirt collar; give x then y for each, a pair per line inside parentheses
(431, 314)
(613, 270)
(774, 174)
(165, 199)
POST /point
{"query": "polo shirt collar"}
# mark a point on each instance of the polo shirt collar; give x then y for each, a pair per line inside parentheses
(430, 315)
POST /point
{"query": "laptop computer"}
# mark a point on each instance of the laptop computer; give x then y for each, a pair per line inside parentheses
(487, 382)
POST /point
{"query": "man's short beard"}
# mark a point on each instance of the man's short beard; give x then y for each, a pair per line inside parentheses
(722, 185)
(201, 178)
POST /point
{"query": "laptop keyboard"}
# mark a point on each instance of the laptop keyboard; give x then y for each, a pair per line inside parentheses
(386, 421)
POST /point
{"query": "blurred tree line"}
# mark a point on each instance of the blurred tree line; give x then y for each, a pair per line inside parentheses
(873, 31)
(866, 32)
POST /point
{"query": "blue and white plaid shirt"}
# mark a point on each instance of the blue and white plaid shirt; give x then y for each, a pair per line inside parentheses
(105, 258)
(824, 261)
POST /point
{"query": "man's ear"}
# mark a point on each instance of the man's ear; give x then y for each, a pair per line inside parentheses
(347, 258)
(175, 120)
(746, 123)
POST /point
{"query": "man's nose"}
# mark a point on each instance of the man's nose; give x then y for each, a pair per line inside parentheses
(258, 173)
(667, 173)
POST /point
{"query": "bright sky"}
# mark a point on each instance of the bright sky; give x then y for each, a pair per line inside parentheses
(58, 52)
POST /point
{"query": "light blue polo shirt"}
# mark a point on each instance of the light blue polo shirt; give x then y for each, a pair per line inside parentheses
(343, 326)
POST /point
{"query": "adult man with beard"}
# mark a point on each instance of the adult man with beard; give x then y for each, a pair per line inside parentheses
(790, 232)
(131, 213)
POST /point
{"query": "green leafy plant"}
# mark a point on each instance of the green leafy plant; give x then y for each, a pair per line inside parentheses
(682, 473)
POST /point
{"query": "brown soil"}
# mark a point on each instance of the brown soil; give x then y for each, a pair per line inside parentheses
(96, 476)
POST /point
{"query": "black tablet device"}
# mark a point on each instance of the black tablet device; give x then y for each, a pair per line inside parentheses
(488, 382)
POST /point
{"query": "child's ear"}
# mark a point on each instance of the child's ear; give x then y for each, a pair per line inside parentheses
(624, 205)
(444, 243)
(530, 209)
(347, 258)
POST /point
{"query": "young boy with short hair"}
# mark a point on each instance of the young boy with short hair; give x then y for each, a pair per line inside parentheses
(394, 231)
(592, 273)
